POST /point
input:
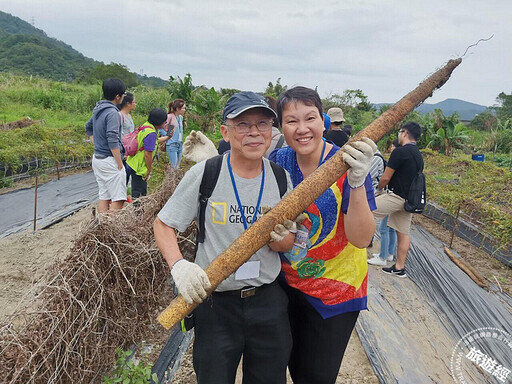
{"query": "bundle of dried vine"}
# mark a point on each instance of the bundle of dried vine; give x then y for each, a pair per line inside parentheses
(103, 295)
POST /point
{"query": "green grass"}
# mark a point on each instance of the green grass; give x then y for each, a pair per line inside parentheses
(480, 188)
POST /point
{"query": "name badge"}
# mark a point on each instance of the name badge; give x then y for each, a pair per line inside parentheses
(301, 238)
(249, 270)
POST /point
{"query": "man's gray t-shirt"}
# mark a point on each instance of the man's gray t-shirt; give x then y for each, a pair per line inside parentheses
(223, 222)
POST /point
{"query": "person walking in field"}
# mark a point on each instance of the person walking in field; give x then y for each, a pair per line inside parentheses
(246, 315)
(139, 166)
(104, 129)
(403, 166)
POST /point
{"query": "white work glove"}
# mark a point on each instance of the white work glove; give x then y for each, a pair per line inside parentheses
(282, 230)
(197, 147)
(191, 281)
(359, 156)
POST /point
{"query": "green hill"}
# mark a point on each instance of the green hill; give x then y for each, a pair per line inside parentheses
(26, 50)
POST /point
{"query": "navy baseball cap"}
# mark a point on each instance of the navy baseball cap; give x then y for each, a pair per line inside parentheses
(243, 101)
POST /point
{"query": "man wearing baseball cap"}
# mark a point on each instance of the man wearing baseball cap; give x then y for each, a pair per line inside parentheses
(336, 134)
(246, 315)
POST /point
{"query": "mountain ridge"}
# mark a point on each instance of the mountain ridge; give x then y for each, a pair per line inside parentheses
(465, 109)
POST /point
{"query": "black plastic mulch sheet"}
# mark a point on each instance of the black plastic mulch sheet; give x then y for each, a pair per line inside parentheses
(414, 324)
(55, 200)
(470, 233)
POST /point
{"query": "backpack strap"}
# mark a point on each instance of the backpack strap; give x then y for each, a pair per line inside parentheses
(210, 175)
(418, 167)
(280, 175)
(384, 164)
(140, 129)
(280, 142)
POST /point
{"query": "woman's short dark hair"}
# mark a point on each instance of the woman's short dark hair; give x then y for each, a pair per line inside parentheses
(304, 95)
(413, 129)
(128, 99)
(157, 116)
(112, 87)
(175, 105)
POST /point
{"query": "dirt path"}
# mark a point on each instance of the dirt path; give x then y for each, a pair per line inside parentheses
(356, 368)
(24, 256)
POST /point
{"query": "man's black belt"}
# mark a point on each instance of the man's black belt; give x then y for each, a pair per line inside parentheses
(242, 293)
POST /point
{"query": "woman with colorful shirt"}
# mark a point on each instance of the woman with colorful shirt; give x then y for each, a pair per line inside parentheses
(326, 278)
(174, 129)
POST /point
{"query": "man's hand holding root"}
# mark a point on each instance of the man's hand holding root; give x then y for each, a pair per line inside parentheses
(191, 280)
(359, 156)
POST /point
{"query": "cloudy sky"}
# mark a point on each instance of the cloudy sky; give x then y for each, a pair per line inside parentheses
(384, 48)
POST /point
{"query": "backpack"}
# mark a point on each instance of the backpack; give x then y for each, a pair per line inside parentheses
(209, 180)
(417, 197)
(130, 142)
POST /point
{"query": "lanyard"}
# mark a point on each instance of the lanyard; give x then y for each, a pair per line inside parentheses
(238, 197)
(322, 155)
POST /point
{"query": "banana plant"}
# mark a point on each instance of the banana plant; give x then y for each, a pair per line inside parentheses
(207, 104)
(449, 134)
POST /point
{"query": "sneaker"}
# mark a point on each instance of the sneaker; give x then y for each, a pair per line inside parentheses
(395, 272)
(388, 258)
(376, 260)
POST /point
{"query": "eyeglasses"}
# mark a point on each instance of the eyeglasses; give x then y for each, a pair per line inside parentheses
(402, 131)
(244, 127)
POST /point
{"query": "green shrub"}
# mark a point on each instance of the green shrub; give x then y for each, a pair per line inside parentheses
(149, 98)
(128, 372)
(504, 141)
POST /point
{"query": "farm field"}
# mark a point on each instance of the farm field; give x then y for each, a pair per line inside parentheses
(80, 299)
(479, 191)
(24, 257)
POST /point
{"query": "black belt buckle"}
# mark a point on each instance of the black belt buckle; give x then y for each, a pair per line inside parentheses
(247, 292)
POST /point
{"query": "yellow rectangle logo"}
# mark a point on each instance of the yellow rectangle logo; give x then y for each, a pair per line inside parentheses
(219, 213)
